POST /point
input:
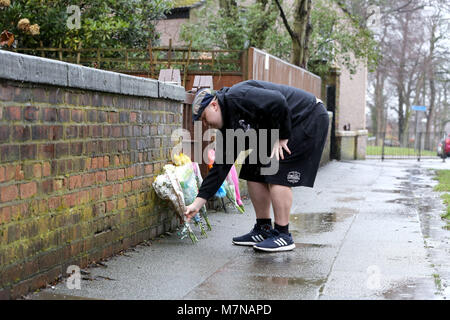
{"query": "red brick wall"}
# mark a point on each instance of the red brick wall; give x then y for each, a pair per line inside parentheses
(76, 169)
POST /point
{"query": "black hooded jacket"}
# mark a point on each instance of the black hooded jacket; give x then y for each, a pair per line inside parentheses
(258, 105)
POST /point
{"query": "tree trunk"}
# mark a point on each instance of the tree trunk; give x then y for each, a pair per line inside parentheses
(302, 28)
(230, 10)
(432, 87)
(300, 32)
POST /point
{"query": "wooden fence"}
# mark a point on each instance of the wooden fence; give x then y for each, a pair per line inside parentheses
(263, 66)
(148, 62)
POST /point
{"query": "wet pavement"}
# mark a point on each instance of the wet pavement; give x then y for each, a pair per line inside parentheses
(368, 230)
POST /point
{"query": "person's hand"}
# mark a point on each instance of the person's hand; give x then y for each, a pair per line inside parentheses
(278, 149)
(194, 208)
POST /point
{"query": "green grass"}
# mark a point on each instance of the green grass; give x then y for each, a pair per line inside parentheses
(443, 176)
(397, 151)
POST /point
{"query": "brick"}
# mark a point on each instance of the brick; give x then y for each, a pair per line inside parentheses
(19, 174)
(88, 179)
(47, 186)
(71, 132)
(149, 169)
(10, 172)
(63, 115)
(76, 148)
(5, 215)
(62, 150)
(31, 114)
(113, 117)
(21, 133)
(54, 203)
(100, 163)
(69, 200)
(58, 184)
(83, 132)
(55, 132)
(40, 132)
(46, 151)
(100, 176)
(116, 131)
(102, 116)
(136, 184)
(75, 182)
(13, 113)
(28, 152)
(107, 191)
(94, 163)
(2, 174)
(99, 209)
(92, 115)
(5, 131)
(121, 203)
(106, 161)
(124, 117)
(28, 190)
(111, 175)
(49, 114)
(133, 116)
(110, 205)
(46, 169)
(37, 170)
(120, 174)
(127, 187)
(77, 115)
(9, 193)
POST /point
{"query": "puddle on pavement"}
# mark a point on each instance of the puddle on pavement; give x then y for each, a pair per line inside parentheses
(350, 199)
(419, 289)
(55, 296)
(405, 201)
(320, 222)
(388, 191)
(311, 245)
(286, 281)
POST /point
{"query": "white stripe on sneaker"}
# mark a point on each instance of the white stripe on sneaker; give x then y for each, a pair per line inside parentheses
(260, 238)
(254, 239)
(283, 241)
(278, 242)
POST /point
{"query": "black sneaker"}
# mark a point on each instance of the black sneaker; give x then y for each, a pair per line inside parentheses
(258, 234)
(276, 243)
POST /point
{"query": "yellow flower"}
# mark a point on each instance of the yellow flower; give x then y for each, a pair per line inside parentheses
(34, 29)
(24, 24)
(5, 3)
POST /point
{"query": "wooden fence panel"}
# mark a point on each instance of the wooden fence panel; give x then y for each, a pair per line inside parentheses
(263, 66)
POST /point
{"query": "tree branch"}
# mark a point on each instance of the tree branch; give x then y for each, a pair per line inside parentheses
(286, 23)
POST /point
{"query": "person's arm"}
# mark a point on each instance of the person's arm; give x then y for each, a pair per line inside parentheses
(274, 106)
(212, 182)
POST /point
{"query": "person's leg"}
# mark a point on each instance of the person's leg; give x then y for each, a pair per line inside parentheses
(260, 197)
(281, 240)
(281, 198)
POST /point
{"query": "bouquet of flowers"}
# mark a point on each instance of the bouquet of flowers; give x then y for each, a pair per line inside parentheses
(230, 187)
(167, 187)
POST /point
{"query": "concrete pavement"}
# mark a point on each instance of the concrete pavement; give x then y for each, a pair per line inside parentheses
(368, 230)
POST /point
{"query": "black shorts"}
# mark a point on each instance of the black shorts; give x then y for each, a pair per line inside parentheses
(298, 169)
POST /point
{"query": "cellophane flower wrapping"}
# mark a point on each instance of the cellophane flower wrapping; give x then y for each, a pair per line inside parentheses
(167, 187)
